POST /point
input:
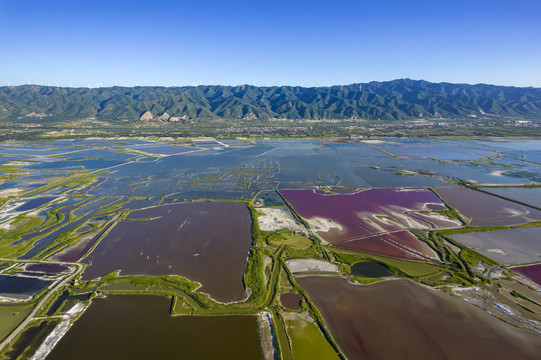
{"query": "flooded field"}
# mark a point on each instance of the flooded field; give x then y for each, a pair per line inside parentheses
(481, 209)
(140, 327)
(399, 319)
(205, 242)
(239, 170)
(440, 151)
(532, 272)
(508, 247)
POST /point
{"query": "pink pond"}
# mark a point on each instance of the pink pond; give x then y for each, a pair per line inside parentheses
(532, 272)
(374, 220)
(482, 209)
(400, 244)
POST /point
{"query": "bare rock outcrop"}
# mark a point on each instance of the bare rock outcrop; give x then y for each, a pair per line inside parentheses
(147, 116)
(164, 117)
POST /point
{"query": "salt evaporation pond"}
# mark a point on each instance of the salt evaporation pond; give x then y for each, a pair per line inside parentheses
(163, 149)
(481, 209)
(72, 164)
(140, 327)
(291, 301)
(202, 241)
(373, 220)
(32, 203)
(399, 319)
(368, 212)
(508, 247)
(400, 244)
(102, 154)
(306, 339)
(239, 172)
(440, 151)
(19, 287)
(532, 272)
(530, 196)
(47, 268)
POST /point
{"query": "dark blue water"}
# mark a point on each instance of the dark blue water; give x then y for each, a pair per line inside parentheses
(35, 203)
(21, 285)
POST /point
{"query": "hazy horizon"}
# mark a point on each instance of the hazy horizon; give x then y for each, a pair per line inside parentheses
(247, 84)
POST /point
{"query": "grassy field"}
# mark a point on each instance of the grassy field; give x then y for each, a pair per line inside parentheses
(10, 317)
(296, 241)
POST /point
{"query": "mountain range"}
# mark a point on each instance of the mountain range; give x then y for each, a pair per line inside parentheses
(396, 100)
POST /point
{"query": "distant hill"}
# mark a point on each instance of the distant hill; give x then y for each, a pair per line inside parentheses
(391, 101)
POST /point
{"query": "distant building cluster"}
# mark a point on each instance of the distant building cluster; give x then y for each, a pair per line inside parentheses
(523, 123)
(34, 115)
(266, 129)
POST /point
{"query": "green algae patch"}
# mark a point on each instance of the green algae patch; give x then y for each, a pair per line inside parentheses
(11, 317)
(307, 342)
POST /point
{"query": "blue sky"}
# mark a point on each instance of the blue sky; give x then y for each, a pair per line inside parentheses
(274, 42)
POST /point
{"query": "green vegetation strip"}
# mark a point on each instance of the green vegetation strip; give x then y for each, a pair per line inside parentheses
(283, 343)
(523, 297)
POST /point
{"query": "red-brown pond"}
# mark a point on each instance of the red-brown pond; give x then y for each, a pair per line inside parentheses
(399, 319)
(140, 327)
(204, 241)
(291, 301)
(482, 209)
